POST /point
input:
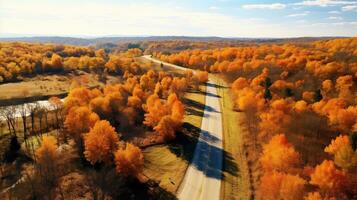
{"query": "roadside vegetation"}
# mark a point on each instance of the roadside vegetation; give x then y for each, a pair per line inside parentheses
(99, 142)
(299, 100)
(128, 127)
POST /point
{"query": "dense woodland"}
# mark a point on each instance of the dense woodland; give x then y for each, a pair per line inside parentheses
(18, 60)
(299, 100)
(100, 131)
(301, 112)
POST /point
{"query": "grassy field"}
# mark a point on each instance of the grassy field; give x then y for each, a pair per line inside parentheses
(235, 183)
(42, 87)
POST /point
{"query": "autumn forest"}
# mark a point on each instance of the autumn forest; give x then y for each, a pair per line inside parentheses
(146, 120)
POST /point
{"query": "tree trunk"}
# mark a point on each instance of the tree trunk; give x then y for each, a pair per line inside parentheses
(9, 126)
(12, 123)
(25, 127)
(33, 122)
(46, 120)
(40, 125)
(57, 120)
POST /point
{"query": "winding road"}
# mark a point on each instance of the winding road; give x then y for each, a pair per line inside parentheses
(202, 180)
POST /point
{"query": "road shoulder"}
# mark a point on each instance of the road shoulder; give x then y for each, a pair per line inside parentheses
(235, 182)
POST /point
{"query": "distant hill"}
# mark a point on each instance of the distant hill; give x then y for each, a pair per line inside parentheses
(116, 40)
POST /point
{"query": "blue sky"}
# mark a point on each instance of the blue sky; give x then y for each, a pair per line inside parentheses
(227, 18)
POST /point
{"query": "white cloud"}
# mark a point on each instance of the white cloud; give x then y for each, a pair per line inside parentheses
(50, 18)
(213, 8)
(274, 6)
(129, 19)
(299, 14)
(324, 3)
(301, 21)
(335, 18)
(349, 8)
(347, 24)
(334, 12)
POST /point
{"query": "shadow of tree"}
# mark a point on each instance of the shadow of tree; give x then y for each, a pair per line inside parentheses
(196, 91)
(229, 165)
(191, 111)
(120, 187)
(215, 85)
(187, 141)
(213, 95)
(194, 104)
(198, 105)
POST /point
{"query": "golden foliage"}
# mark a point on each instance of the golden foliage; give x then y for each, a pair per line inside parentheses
(276, 185)
(79, 120)
(328, 178)
(47, 152)
(129, 161)
(279, 155)
(100, 143)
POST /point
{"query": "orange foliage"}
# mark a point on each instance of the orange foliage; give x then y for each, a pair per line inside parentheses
(293, 88)
(336, 144)
(202, 76)
(300, 106)
(129, 161)
(56, 62)
(317, 196)
(328, 178)
(279, 155)
(240, 83)
(47, 152)
(248, 100)
(79, 120)
(277, 185)
(344, 86)
(308, 96)
(155, 110)
(100, 143)
(327, 85)
(166, 128)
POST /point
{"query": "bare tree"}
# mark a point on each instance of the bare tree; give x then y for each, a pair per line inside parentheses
(23, 111)
(31, 107)
(57, 107)
(9, 113)
(45, 112)
(40, 112)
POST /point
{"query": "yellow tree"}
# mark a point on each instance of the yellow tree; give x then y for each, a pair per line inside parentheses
(276, 185)
(328, 178)
(202, 76)
(100, 143)
(279, 154)
(166, 128)
(46, 158)
(79, 120)
(56, 62)
(155, 110)
(129, 161)
(344, 156)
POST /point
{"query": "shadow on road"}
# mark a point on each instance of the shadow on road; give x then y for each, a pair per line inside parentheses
(198, 105)
(191, 111)
(214, 85)
(206, 162)
(213, 95)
